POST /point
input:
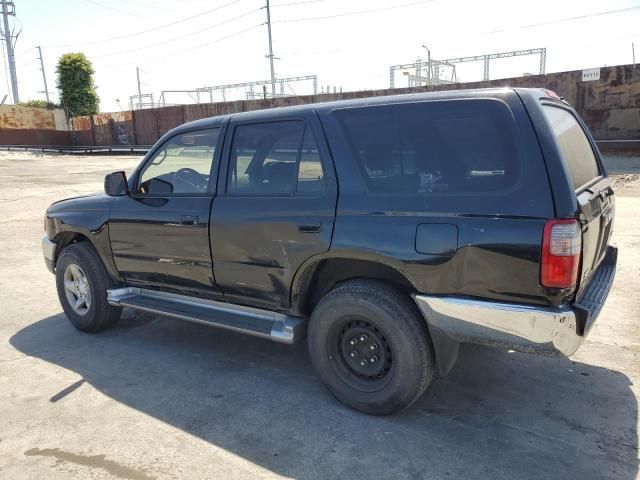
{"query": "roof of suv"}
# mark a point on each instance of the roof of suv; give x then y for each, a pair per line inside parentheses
(359, 102)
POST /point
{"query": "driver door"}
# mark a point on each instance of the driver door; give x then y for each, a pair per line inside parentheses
(160, 233)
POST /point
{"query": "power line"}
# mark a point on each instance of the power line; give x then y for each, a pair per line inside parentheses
(159, 27)
(359, 12)
(190, 48)
(23, 52)
(562, 20)
(22, 65)
(179, 37)
(295, 4)
(109, 7)
(146, 5)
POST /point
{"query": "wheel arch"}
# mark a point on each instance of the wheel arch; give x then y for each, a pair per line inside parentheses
(64, 239)
(68, 237)
(319, 275)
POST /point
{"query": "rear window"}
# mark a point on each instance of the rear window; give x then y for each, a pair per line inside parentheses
(438, 147)
(574, 145)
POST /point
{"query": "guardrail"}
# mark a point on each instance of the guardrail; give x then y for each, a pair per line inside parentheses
(79, 149)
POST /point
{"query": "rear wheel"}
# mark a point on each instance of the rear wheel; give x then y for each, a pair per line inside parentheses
(370, 346)
(82, 283)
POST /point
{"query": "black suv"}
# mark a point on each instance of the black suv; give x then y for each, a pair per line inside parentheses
(386, 230)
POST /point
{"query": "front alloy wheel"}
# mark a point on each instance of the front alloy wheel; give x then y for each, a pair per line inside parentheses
(82, 282)
(77, 290)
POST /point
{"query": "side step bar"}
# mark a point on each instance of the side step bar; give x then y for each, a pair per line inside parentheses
(253, 321)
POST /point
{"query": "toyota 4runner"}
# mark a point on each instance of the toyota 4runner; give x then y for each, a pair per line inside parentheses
(386, 230)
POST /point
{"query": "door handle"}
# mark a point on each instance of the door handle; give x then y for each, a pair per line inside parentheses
(310, 228)
(188, 220)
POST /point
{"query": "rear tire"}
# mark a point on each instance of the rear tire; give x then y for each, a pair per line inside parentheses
(370, 346)
(82, 282)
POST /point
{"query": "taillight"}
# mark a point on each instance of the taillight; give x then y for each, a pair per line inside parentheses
(561, 248)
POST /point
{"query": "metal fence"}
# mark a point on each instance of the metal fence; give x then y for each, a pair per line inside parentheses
(610, 105)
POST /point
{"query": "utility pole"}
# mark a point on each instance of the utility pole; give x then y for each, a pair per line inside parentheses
(271, 57)
(10, 56)
(139, 89)
(44, 75)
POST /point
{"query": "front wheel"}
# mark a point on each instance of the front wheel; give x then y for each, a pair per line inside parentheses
(371, 348)
(82, 283)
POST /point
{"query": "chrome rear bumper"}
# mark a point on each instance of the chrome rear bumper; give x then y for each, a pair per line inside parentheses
(542, 330)
(530, 328)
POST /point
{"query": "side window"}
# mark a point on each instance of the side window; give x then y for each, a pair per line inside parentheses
(182, 165)
(264, 158)
(574, 146)
(450, 147)
(310, 173)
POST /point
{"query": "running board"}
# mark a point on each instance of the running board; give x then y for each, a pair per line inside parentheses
(252, 321)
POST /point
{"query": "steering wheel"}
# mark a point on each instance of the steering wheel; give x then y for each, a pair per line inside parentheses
(188, 180)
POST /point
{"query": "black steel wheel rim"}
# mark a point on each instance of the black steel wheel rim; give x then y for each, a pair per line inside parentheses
(361, 354)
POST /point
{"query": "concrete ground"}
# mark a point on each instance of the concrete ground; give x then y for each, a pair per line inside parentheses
(158, 398)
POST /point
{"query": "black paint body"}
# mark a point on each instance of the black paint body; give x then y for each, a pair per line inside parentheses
(276, 251)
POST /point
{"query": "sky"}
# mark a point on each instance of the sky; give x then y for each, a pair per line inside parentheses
(348, 44)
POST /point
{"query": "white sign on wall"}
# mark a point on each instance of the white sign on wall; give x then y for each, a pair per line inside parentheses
(590, 74)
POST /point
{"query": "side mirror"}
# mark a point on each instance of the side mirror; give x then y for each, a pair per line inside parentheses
(115, 184)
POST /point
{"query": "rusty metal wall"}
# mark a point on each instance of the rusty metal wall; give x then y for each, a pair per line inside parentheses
(145, 126)
(82, 131)
(168, 118)
(102, 129)
(17, 116)
(114, 128)
(34, 136)
(610, 106)
(33, 126)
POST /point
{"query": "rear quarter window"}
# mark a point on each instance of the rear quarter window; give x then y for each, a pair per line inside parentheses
(434, 148)
(574, 145)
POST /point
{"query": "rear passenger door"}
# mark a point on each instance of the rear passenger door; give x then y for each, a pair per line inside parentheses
(275, 207)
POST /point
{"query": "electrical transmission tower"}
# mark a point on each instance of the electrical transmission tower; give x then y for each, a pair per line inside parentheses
(434, 68)
(9, 8)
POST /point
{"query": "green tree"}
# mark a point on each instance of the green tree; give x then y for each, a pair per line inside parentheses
(39, 104)
(75, 82)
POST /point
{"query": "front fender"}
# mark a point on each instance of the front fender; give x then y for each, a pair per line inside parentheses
(83, 218)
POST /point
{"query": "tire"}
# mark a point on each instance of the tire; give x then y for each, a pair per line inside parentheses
(374, 315)
(95, 314)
